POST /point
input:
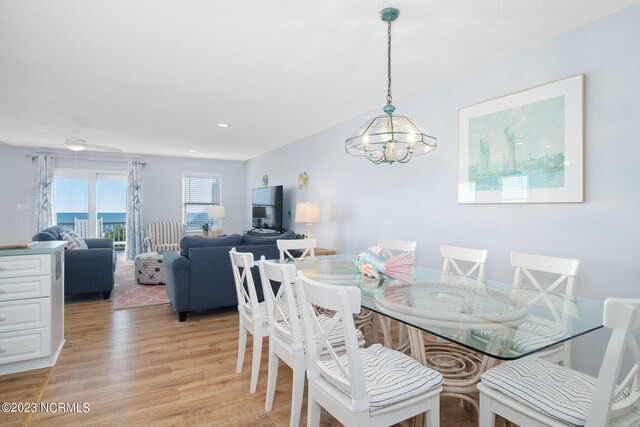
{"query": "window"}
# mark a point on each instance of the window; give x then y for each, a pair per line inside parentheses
(200, 192)
(92, 202)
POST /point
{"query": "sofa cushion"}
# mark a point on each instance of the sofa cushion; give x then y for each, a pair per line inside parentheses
(73, 240)
(188, 242)
(267, 240)
(48, 234)
(44, 236)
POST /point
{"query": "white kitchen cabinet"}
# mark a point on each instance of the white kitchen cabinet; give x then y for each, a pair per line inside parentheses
(31, 306)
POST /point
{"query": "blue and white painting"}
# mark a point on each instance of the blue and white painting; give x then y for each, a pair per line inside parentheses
(526, 142)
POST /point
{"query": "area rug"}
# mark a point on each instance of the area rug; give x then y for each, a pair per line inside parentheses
(129, 294)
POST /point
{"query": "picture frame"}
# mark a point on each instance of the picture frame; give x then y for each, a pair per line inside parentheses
(525, 147)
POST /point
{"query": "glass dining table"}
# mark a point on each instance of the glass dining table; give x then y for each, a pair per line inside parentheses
(483, 316)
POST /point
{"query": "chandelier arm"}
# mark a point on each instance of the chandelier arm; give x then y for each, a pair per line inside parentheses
(405, 159)
(376, 161)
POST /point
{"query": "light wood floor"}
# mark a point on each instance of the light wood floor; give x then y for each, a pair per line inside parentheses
(141, 367)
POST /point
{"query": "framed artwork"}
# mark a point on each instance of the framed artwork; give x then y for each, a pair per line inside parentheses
(526, 147)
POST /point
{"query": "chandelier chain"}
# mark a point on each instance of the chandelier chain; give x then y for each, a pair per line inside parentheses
(389, 98)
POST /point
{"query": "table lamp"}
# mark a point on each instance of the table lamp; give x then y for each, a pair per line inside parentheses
(216, 212)
(308, 213)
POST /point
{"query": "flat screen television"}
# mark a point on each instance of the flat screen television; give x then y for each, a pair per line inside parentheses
(266, 208)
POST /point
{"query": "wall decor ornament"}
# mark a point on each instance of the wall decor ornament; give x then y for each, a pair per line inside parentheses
(526, 147)
(303, 181)
(265, 181)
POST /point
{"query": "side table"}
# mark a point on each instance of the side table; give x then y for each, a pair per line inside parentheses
(323, 251)
(317, 251)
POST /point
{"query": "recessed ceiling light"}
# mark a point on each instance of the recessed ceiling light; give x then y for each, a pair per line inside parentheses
(223, 125)
(192, 151)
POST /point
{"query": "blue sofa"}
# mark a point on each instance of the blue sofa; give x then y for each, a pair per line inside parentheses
(85, 270)
(199, 277)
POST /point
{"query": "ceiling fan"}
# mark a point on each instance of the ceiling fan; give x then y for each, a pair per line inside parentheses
(78, 144)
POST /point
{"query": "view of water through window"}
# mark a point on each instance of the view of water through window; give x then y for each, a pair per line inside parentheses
(72, 206)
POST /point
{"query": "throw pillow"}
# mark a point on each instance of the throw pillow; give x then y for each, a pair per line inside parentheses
(73, 240)
(79, 240)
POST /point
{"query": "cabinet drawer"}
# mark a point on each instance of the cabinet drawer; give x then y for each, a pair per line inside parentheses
(25, 265)
(24, 314)
(24, 287)
(25, 345)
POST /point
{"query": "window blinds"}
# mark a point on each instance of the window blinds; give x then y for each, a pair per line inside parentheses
(199, 193)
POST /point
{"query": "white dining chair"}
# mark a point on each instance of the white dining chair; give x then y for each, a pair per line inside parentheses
(539, 329)
(549, 323)
(394, 247)
(253, 314)
(285, 333)
(464, 262)
(459, 366)
(396, 386)
(535, 392)
(306, 247)
(286, 340)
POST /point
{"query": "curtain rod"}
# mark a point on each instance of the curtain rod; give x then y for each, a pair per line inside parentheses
(35, 156)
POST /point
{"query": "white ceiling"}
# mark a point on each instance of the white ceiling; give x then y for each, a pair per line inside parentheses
(157, 76)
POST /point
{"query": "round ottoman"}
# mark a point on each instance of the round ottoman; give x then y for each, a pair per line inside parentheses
(149, 268)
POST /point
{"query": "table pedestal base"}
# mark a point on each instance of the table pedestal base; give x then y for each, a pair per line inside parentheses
(460, 367)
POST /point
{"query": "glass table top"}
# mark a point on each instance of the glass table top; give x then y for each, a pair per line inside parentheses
(490, 317)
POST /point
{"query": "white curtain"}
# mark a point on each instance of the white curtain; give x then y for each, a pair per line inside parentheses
(43, 210)
(135, 234)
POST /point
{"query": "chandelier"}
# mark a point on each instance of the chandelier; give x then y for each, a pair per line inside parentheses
(390, 137)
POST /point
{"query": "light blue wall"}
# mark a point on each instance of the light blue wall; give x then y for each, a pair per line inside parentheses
(361, 202)
(162, 187)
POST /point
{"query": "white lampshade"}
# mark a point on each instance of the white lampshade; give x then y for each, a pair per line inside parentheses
(216, 211)
(307, 212)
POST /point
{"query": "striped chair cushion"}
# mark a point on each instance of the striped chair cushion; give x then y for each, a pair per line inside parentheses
(530, 336)
(556, 391)
(263, 313)
(336, 337)
(390, 376)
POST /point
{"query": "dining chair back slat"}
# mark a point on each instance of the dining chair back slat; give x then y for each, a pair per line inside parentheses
(281, 305)
(393, 247)
(245, 287)
(344, 302)
(306, 246)
(551, 275)
(465, 262)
